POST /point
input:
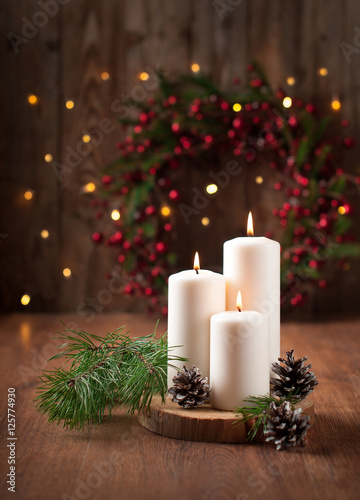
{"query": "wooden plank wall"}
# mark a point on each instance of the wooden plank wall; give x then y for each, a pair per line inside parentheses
(64, 60)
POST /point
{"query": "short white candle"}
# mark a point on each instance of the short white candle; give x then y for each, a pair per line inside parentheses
(252, 265)
(194, 296)
(239, 358)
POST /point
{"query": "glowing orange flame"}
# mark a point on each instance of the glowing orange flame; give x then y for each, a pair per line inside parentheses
(196, 262)
(250, 225)
(239, 301)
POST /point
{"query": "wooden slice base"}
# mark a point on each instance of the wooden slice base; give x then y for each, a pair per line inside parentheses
(200, 424)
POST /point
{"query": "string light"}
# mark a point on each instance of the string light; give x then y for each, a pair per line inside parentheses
(25, 299)
(259, 179)
(237, 107)
(32, 98)
(335, 104)
(105, 75)
(287, 102)
(205, 221)
(290, 80)
(69, 104)
(211, 188)
(115, 215)
(44, 234)
(67, 272)
(144, 76)
(89, 187)
(48, 158)
(323, 71)
(195, 68)
(28, 194)
(86, 138)
(342, 210)
(165, 211)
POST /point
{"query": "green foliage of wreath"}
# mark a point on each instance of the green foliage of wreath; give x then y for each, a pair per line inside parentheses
(190, 118)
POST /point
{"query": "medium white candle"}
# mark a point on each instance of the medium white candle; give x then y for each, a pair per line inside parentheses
(194, 296)
(239, 358)
(252, 265)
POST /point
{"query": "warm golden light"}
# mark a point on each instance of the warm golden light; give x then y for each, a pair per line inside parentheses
(115, 215)
(25, 333)
(25, 299)
(250, 225)
(44, 234)
(341, 210)
(211, 188)
(48, 158)
(195, 67)
(28, 195)
(290, 81)
(105, 75)
(196, 263)
(239, 301)
(335, 104)
(237, 107)
(67, 272)
(259, 179)
(205, 221)
(86, 138)
(69, 104)
(165, 211)
(287, 102)
(89, 187)
(32, 98)
(323, 71)
(144, 76)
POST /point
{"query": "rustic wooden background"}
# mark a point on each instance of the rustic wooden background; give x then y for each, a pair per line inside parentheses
(65, 59)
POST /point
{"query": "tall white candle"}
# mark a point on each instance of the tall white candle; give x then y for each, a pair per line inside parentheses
(239, 357)
(252, 265)
(194, 296)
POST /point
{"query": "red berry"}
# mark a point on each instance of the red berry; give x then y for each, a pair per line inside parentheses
(160, 247)
(97, 237)
(174, 195)
(150, 210)
(128, 289)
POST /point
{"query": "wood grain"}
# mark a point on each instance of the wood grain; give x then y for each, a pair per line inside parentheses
(137, 464)
(65, 61)
(203, 424)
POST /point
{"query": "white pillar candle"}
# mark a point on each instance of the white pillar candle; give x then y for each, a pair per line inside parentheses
(252, 265)
(194, 296)
(239, 358)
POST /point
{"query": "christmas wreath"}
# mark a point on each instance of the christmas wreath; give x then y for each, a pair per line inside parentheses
(190, 118)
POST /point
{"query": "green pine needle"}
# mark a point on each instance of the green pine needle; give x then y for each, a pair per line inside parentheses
(100, 373)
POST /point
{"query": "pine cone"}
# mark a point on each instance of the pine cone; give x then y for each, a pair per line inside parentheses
(286, 427)
(294, 377)
(190, 388)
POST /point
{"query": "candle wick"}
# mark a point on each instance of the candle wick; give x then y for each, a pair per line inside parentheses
(197, 271)
(239, 309)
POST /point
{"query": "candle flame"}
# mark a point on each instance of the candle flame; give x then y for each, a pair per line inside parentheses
(239, 301)
(196, 263)
(250, 225)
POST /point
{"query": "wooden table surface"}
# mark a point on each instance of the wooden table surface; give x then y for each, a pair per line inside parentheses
(122, 460)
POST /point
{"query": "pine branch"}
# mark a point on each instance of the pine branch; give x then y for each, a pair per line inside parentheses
(100, 373)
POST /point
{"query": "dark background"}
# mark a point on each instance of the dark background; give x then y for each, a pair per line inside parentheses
(64, 59)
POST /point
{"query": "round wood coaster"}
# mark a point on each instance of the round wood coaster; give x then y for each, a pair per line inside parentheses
(200, 424)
